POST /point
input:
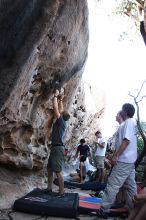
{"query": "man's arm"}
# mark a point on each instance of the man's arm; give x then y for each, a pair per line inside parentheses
(76, 155)
(60, 104)
(102, 145)
(55, 104)
(89, 152)
(60, 98)
(121, 149)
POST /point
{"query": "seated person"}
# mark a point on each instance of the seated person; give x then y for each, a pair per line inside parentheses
(139, 211)
(81, 173)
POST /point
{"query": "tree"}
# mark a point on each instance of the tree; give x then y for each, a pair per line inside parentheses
(129, 8)
(137, 99)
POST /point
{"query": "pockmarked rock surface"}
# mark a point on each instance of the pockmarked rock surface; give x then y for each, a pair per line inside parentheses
(43, 47)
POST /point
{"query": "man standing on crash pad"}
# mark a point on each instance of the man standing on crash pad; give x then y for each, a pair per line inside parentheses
(56, 159)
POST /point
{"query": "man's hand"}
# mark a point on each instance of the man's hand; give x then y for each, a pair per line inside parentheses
(61, 94)
(62, 91)
(136, 200)
(114, 159)
(82, 181)
(56, 93)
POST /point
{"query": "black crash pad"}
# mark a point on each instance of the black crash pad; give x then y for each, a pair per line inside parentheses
(43, 203)
(84, 186)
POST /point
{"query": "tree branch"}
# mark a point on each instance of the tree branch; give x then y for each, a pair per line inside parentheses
(141, 88)
(141, 3)
(143, 136)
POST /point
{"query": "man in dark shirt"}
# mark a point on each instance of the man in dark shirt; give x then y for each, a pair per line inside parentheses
(56, 159)
(83, 149)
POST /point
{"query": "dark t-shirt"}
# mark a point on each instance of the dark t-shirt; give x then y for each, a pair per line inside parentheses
(83, 149)
(58, 132)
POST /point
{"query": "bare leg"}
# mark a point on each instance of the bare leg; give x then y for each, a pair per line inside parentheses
(73, 174)
(60, 182)
(50, 179)
(75, 177)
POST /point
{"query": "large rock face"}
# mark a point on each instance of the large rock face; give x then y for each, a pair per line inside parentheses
(43, 46)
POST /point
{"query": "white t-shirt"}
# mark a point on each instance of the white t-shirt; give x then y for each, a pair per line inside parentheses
(127, 130)
(101, 151)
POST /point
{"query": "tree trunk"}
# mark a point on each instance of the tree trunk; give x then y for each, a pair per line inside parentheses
(141, 156)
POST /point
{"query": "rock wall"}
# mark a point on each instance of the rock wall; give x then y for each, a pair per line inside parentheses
(43, 46)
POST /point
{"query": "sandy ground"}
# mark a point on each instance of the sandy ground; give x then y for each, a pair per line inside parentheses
(24, 216)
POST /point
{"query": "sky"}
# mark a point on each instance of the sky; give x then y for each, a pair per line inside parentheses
(115, 60)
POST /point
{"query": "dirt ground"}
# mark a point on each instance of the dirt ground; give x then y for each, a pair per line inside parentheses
(10, 215)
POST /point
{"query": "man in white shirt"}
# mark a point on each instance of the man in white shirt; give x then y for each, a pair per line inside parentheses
(123, 171)
(100, 156)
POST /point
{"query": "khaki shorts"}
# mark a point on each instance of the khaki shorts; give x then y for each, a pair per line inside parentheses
(100, 162)
(56, 158)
